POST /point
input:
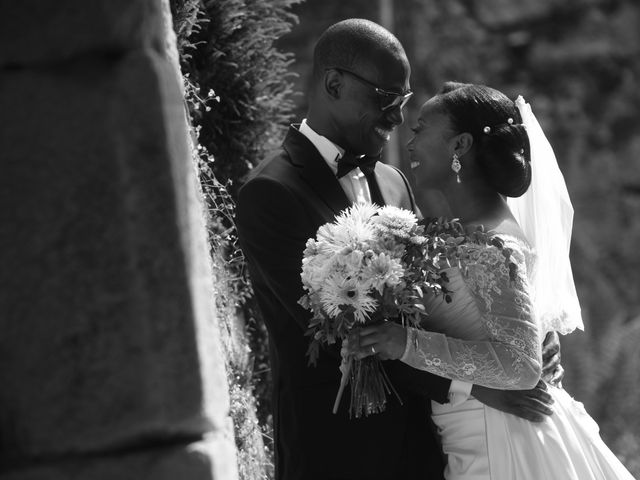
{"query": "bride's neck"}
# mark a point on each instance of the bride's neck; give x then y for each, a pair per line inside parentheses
(474, 202)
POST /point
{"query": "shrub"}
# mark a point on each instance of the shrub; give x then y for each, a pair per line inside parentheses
(238, 94)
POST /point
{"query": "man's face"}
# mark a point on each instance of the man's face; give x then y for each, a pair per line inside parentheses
(366, 114)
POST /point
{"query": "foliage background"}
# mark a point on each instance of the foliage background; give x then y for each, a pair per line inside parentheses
(576, 61)
(238, 98)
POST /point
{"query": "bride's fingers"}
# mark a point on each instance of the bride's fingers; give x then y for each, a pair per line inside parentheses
(372, 345)
(364, 352)
(551, 364)
(551, 345)
(368, 340)
(555, 377)
(366, 331)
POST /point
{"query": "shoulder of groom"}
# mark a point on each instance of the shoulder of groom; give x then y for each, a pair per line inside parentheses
(397, 182)
(393, 175)
(275, 166)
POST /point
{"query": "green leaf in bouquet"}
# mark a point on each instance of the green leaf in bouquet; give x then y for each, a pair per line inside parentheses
(313, 352)
(497, 242)
(513, 272)
(315, 321)
(305, 302)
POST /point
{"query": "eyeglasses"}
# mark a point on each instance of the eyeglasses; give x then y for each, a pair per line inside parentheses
(388, 100)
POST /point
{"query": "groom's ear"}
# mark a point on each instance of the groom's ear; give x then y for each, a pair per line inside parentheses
(333, 83)
(462, 143)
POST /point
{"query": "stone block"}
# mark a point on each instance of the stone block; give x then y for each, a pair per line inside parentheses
(210, 459)
(35, 32)
(106, 334)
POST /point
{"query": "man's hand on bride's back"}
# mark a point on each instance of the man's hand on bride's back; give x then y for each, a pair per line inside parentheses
(533, 405)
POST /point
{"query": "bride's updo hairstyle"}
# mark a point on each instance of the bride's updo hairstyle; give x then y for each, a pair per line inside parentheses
(501, 141)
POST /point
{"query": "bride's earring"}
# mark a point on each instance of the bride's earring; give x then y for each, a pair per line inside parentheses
(456, 166)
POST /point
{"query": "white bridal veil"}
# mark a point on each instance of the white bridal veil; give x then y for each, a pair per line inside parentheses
(545, 214)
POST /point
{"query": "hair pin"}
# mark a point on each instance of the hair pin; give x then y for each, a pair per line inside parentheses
(487, 129)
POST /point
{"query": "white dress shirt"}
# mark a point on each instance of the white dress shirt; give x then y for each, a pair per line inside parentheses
(354, 183)
(356, 188)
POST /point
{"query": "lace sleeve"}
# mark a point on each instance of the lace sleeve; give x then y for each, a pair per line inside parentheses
(508, 357)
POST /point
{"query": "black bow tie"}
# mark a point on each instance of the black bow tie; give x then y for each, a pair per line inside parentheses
(368, 165)
(349, 161)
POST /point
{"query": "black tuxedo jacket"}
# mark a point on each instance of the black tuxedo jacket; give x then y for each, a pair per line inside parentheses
(285, 200)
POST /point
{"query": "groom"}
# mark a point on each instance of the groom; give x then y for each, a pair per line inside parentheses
(360, 85)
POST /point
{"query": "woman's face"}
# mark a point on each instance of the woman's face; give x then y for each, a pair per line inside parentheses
(429, 149)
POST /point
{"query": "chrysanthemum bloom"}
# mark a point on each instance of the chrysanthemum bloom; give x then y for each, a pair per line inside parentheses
(339, 293)
(396, 220)
(383, 270)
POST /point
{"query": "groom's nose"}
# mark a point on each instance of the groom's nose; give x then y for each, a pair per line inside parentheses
(395, 116)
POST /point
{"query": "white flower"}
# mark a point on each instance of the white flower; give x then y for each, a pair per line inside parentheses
(391, 246)
(360, 251)
(418, 239)
(358, 213)
(313, 274)
(397, 220)
(383, 270)
(339, 293)
(344, 265)
(346, 233)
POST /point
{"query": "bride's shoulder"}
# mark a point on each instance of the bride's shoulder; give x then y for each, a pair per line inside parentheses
(507, 231)
(507, 236)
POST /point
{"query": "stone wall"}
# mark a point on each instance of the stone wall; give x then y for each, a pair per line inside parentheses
(110, 361)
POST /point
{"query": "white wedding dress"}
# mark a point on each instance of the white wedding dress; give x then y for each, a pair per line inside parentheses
(487, 336)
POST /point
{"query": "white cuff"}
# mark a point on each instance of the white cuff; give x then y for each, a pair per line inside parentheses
(459, 391)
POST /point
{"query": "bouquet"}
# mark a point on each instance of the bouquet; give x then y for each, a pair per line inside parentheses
(370, 265)
(373, 264)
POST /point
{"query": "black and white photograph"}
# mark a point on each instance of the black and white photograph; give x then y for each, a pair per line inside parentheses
(320, 240)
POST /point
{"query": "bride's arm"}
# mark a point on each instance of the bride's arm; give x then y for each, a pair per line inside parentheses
(510, 357)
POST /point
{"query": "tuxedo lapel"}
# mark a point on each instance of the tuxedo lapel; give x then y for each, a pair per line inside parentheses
(314, 170)
(386, 189)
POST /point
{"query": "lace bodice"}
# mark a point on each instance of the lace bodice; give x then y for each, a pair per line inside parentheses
(487, 334)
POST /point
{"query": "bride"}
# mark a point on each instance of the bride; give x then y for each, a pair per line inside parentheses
(478, 147)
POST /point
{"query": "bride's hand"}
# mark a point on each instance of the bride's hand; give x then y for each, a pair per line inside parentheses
(387, 340)
(552, 371)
